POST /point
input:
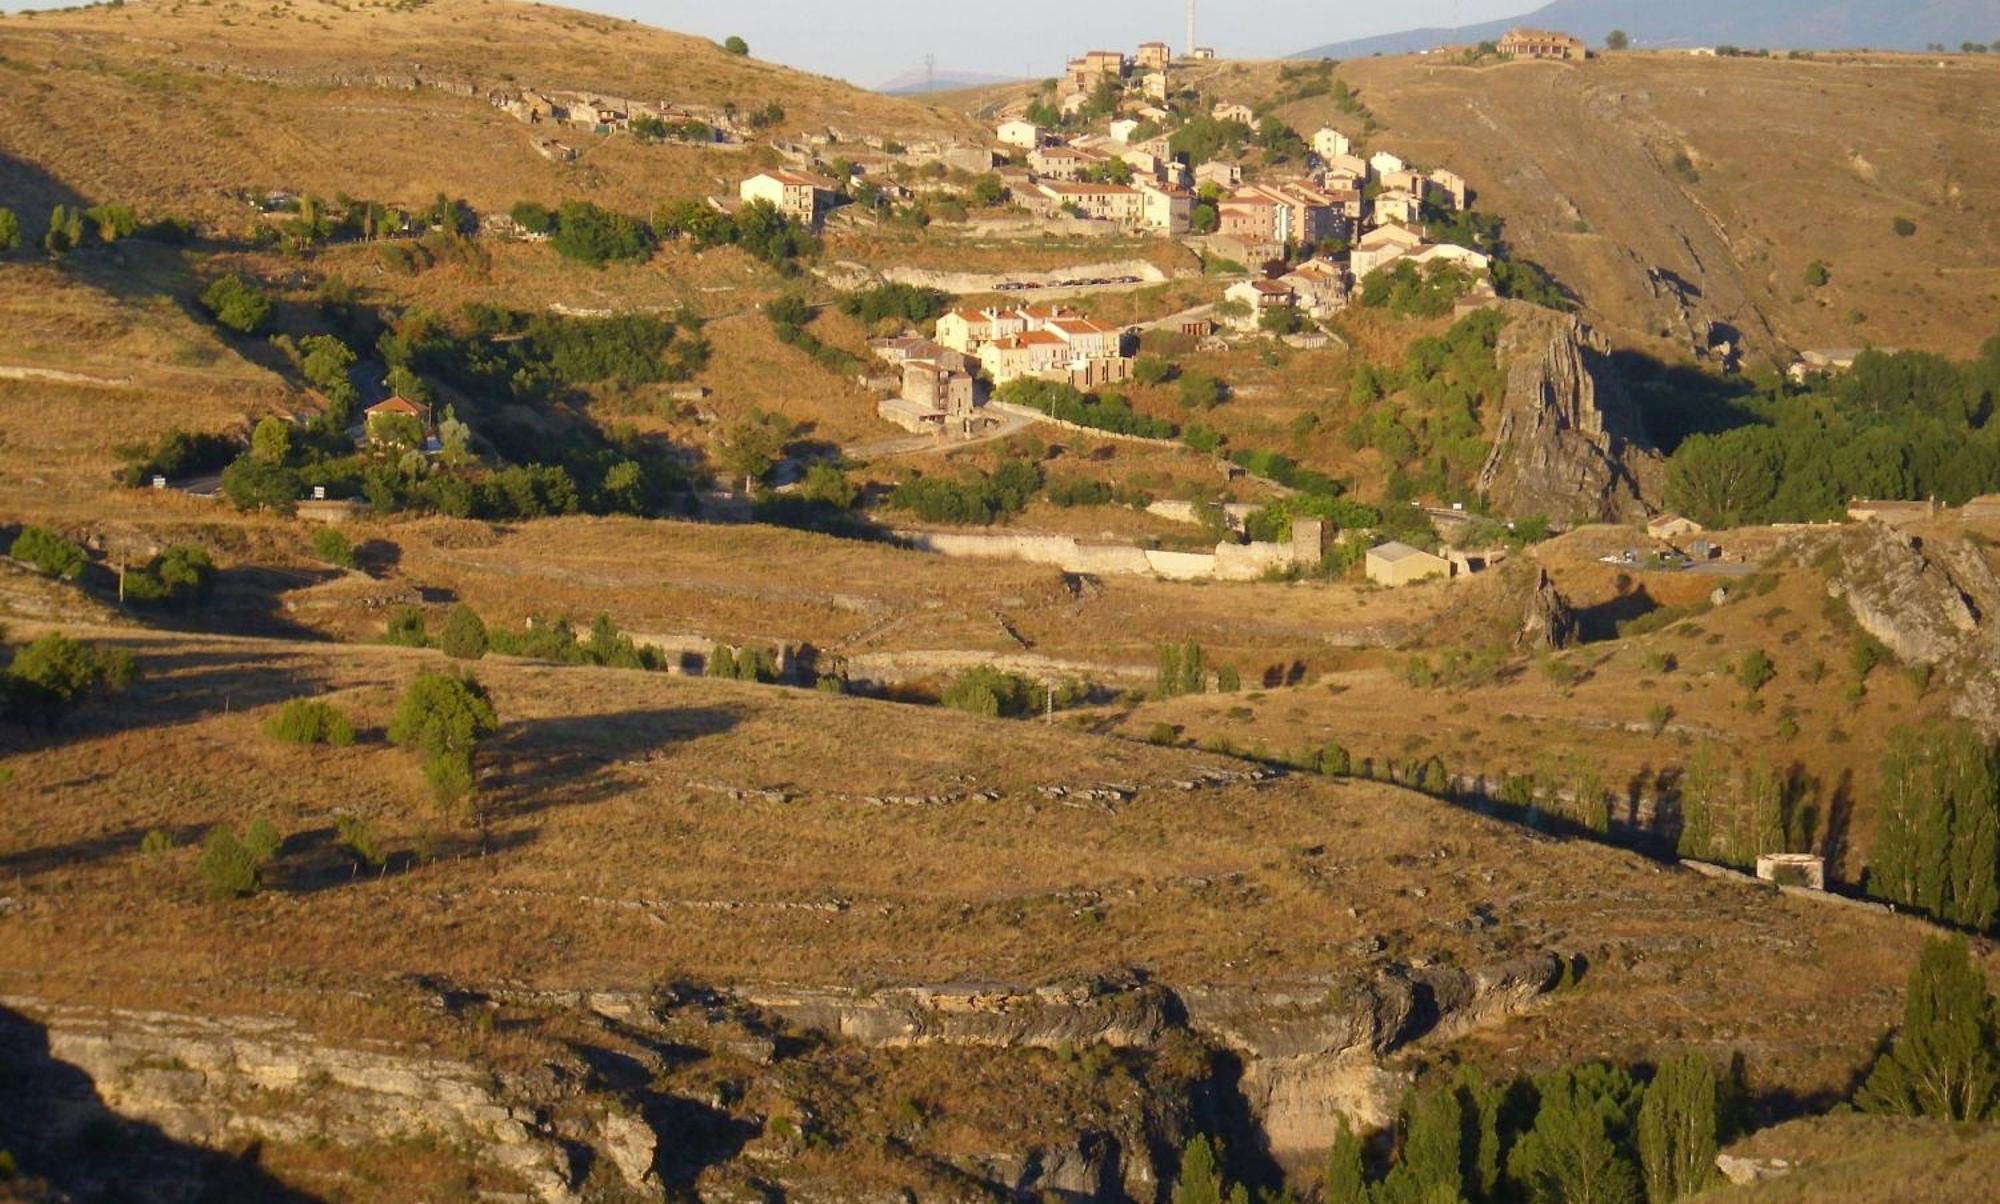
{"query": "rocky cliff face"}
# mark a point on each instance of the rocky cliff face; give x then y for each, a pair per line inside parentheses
(592, 1121)
(1570, 444)
(1931, 599)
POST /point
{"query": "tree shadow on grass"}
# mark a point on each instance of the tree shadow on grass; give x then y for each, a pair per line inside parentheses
(27, 863)
(560, 761)
(60, 1131)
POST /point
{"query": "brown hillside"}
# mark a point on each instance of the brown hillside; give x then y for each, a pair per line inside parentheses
(319, 97)
(1786, 162)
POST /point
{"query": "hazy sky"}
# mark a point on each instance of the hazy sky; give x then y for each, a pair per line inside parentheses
(870, 41)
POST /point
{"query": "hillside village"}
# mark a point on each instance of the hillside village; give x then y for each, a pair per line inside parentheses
(588, 617)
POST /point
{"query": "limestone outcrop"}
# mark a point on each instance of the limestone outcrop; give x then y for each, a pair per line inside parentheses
(1570, 444)
(1549, 621)
(1931, 600)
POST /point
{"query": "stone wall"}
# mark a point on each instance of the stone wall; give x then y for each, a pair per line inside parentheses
(1228, 562)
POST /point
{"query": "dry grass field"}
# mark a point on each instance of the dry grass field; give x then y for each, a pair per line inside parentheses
(642, 825)
(200, 77)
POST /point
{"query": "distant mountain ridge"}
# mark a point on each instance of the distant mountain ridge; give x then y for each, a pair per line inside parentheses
(921, 82)
(1782, 24)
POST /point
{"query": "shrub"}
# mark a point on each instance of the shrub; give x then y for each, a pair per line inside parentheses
(1228, 680)
(359, 838)
(230, 868)
(464, 634)
(1818, 274)
(262, 841)
(985, 690)
(444, 717)
(48, 552)
(10, 230)
(1755, 671)
(407, 628)
(310, 721)
(241, 307)
(182, 574)
(333, 547)
(55, 674)
(1903, 227)
(1163, 734)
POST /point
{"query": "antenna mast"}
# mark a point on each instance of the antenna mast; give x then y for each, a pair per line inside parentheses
(1190, 41)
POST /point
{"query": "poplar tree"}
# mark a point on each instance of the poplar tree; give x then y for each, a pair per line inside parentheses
(1677, 1129)
(1344, 1181)
(1428, 1161)
(1944, 1063)
(1937, 825)
(1200, 1180)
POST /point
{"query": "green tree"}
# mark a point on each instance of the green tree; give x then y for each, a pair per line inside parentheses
(1944, 1062)
(1194, 669)
(1937, 824)
(230, 868)
(251, 483)
(1200, 391)
(464, 634)
(10, 230)
(56, 674)
(1677, 1129)
(444, 717)
(1574, 1153)
(736, 45)
(66, 230)
(750, 448)
(1167, 680)
(1617, 39)
(986, 190)
(333, 547)
(1818, 274)
(1344, 1180)
(1200, 1178)
(48, 552)
(1429, 1155)
(271, 441)
(242, 307)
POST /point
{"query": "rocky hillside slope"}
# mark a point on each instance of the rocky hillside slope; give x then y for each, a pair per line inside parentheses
(1683, 199)
(710, 935)
(384, 102)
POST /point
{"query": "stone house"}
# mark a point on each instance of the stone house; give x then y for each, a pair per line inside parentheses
(1222, 175)
(1452, 185)
(1379, 247)
(1330, 144)
(1031, 353)
(1121, 130)
(799, 194)
(1165, 208)
(1260, 297)
(1155, 86)
(1226, 111)
(1105, 202)
(1320, 285)
(1381, 163)
(1543, 44)
(1023, 134)
(1672, 526)
(1058, 162)
(376, 418)
(1403, 208)
(1397, 564)
(1153, 56)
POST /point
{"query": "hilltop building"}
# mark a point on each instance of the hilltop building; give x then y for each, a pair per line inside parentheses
(1543, 44)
